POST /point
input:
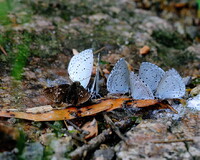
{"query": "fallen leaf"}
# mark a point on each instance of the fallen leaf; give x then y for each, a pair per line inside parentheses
(180, 5)
(143, 103)
(75, 112)
(40, 109)
(74, 51)
(8, 130)
(144, 50)
(105, 71)
(92, 128)
(60, 114)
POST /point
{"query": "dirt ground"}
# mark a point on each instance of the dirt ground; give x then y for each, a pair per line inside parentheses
(37, 39)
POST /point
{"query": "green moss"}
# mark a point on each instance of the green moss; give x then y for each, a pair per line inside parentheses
(5, 8)
(21, 143)
(48, 151)
(57, 127)
(22, 54)
(65, 9)
(170, 39)
(168, 57)
(196, 81)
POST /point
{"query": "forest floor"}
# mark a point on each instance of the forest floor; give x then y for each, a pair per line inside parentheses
(36, 42)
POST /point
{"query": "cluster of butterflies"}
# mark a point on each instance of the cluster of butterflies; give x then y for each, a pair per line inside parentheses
(151, 82)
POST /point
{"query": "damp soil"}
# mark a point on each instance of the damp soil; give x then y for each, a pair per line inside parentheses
(37, 39)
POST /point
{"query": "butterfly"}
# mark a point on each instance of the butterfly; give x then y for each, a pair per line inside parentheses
(80, 67)
(171, 86)
(139, 89)
(74, 94)
(151, 74)
(118, 79)
(80, 70)
(167, 86)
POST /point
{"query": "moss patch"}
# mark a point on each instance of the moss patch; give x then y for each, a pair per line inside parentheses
(170, 39)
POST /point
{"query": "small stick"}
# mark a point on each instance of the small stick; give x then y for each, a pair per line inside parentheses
(92, 144)
(74, 136)
(99, 50)
(75, 126)
(114, 128)
(3, 50)
(82, 151)
(174, 141)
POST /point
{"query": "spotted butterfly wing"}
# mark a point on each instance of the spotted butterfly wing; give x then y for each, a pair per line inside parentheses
(139, 89)
(57, 94)
(171, 86)
(118, 80)
(80, 67)
(151, 74)
(77, 94)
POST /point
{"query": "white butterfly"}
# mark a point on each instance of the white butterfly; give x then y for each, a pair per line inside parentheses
(139, 89)
(171, 86)
(80, 67)
(118, 80)
(151, 74)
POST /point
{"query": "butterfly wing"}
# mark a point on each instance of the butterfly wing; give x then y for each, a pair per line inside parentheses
(139, 89)
(57, 94)
(118, 80)
(80, 67)
(77, 94)
(171, 86)
(151, 74)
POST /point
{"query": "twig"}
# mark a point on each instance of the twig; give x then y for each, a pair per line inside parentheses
(74, 136)
(92, 144)
(3, 51)
(174, 141)
(81, 152)
(75, 126)
(99, 50)
(114, 128)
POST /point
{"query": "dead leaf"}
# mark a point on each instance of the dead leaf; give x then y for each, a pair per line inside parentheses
(75, 112)
(180, 5)
(92, 128)
(40, 109)
(61, 114)
(144, 50)
(8, 130)
(143, 103)
(105, 71)
(74, 51)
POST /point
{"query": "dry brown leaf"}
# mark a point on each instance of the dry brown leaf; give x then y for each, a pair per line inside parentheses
(92, 128)
(40, 109)
(105, 71)
(8, 130)
(143, 103)
(75, 112)
(74, 51)
(144, 50)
